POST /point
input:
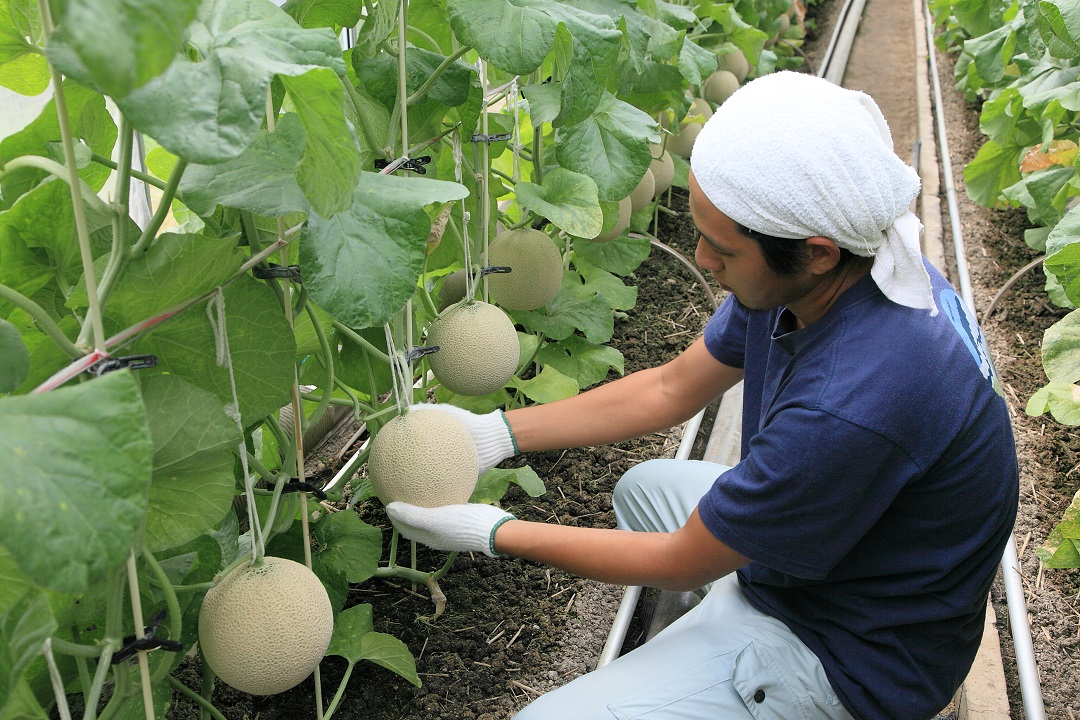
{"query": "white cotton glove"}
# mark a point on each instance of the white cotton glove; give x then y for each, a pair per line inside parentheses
(490, 432)
(467, 528)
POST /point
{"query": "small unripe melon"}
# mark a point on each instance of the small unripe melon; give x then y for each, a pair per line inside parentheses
(719, 86)
(264, 629)
(478, 349)
(683, 143)
(621, 224)
(453, 288)
(735, 62)
(645, 191)
(663, 170)
(536, 269)
(425, 458)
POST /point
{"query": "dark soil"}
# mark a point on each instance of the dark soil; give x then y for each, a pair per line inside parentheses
(513, 629)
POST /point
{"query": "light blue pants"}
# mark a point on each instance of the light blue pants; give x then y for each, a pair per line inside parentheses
(722, 660)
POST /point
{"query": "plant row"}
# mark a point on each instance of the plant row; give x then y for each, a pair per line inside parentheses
(1021, 60)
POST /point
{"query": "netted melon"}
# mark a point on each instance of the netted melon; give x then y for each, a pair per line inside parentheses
(478, 349)
(621, 223)
(663, 169)
(536, 269)
(424, 458)
(265, 628)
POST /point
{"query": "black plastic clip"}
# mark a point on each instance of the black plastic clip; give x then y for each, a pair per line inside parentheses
(131, 362)
(415, 164)
(494, 269)
(500, 137)
(418, 352)
(297, 486)
(148, 642)
(273, 272)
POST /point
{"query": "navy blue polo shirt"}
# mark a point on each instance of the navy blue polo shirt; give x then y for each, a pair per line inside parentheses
(876, 492)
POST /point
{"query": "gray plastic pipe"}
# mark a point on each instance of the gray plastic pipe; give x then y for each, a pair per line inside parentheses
(1027, 669)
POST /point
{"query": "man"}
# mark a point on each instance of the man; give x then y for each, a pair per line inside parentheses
(849, 554)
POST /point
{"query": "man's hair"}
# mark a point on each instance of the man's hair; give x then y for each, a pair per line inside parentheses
(785, 256)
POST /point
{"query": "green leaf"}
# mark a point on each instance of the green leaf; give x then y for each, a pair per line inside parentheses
(1064, 264)
(22, 68)
(389, 652)
(517, 35)
(14, 584)
(1061, 349)
(993, 169)
(23, 630)
(610, 287)
(333, 14)
(576, 307)
(91, 123)
(118, 45)
(14, 358)
(330, 165)
(350, 626)
(261, 179)
(88, 448)
(991, 53)
(695, 63)
(1038, 192)
(348, 542)
(174, 270)
(363, 265)
(620, 256)
(547, 386)
(262, 349)
(611, 147)
(1062, 548)
(195, 445)
(492, 484)
(588, 363)
(568, 199)
(1059, 24)
(209, 110)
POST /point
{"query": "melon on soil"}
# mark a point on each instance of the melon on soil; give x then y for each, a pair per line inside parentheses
(265, 628)
(536, 269)
(621, 223)
(478, 349)
(424, 458)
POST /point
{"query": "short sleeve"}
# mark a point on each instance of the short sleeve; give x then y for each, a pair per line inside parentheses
(725, 333)
(810, 488)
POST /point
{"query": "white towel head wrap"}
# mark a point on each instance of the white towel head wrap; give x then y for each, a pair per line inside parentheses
(793, 156)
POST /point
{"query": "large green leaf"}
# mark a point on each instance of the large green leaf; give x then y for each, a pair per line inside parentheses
(209, 110)
(195, 446)
(350, 544)
(261, 179)
(993, 169)
(89, 120)
(576, 307)
(1062, 548)
(1059, 24)
(177, 268)
(620, 256)
(23, 629)
(262, 351)
(354, 640)
(330, 165)
(547, 386)
(143, 37)
(362, 265)
(14, 358)
(566, 198)
(1061, 349)
(22, 68)
(588, 363)
(334, 14)
(611, 147)
(14, 584)
(991, 52)
(87, 449)
(1039, 192)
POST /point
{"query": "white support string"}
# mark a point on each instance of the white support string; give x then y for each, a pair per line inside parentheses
(215, 311)
(401, 382)
(466, 216)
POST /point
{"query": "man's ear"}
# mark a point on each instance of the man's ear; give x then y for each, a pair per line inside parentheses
(824, 254)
